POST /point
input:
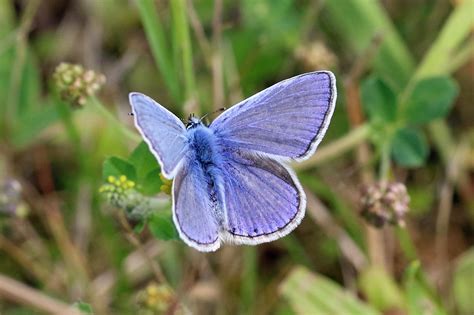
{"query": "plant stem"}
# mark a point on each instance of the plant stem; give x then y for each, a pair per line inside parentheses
(322, 216)
(155, 267)
(24, 259)
(22, 294)
(66, 116)
(461, 57)
(384, 170)
(199, 32)
(249, 279)
(406, 243)
(113, 121)
(336, 148)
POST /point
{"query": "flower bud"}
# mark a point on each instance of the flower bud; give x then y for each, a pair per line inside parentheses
(76, 84)
(156, 298)
(385, 203)
(11, 202)
(120, 192)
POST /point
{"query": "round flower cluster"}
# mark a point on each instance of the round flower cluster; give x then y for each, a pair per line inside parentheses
(384, 203)
(75, 84)
(156, 299)
(121, 193)
(166, 187)
(117, 190)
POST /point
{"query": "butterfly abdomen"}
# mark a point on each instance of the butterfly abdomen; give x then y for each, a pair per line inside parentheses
(206, 155)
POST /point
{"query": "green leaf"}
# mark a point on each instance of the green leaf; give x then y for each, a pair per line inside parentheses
(310, 293)
(378, 100)
(115, 166)
(463, 283)
(162, 227)
(30, 97)
(409, 147)
(138, 228)
(430, 99)
(381, 290)
(83, 307)
(143, 160)
(152, 182)
(419, 296)
(30, 125)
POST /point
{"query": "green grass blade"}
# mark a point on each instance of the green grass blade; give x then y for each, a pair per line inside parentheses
(184, 48)
(155, 33)
(249, 279)
(310, 293)
(455, 31)
(358, 22)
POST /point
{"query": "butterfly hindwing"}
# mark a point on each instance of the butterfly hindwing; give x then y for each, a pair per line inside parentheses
(194, 210)
(288, 119)
(263, 198)
(164, 133)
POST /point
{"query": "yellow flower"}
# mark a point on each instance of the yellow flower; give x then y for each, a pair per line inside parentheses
(167, 184)
(156, 297)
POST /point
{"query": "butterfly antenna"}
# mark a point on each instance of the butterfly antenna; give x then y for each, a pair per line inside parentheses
(214, 112)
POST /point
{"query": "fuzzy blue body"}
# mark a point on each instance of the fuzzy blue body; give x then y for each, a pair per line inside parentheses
(204, 157)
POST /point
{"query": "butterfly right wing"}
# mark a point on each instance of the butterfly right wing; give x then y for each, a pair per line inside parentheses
(194, 208)
(263, 198)
(164, 133)
(287, 120)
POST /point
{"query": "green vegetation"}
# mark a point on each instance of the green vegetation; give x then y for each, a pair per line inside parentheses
(85, 215)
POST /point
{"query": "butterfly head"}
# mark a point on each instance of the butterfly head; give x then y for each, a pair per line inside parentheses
(193, 122)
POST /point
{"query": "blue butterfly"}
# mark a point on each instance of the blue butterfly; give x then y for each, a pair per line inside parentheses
(231, 181)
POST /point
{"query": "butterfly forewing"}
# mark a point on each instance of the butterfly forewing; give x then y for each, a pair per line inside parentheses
(163, 131)
(288, 119)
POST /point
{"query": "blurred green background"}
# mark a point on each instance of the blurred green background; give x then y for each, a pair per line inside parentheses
(85, 221)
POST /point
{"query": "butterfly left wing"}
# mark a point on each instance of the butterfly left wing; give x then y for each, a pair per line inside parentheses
(287, 120)
(263, 199)
(194, 209)
(164, 133)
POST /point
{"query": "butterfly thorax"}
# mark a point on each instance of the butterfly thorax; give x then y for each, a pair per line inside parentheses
(202, 142)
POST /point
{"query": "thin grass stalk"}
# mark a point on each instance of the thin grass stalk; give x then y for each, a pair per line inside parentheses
(184, 46)
(249, 279)
(21, 52)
